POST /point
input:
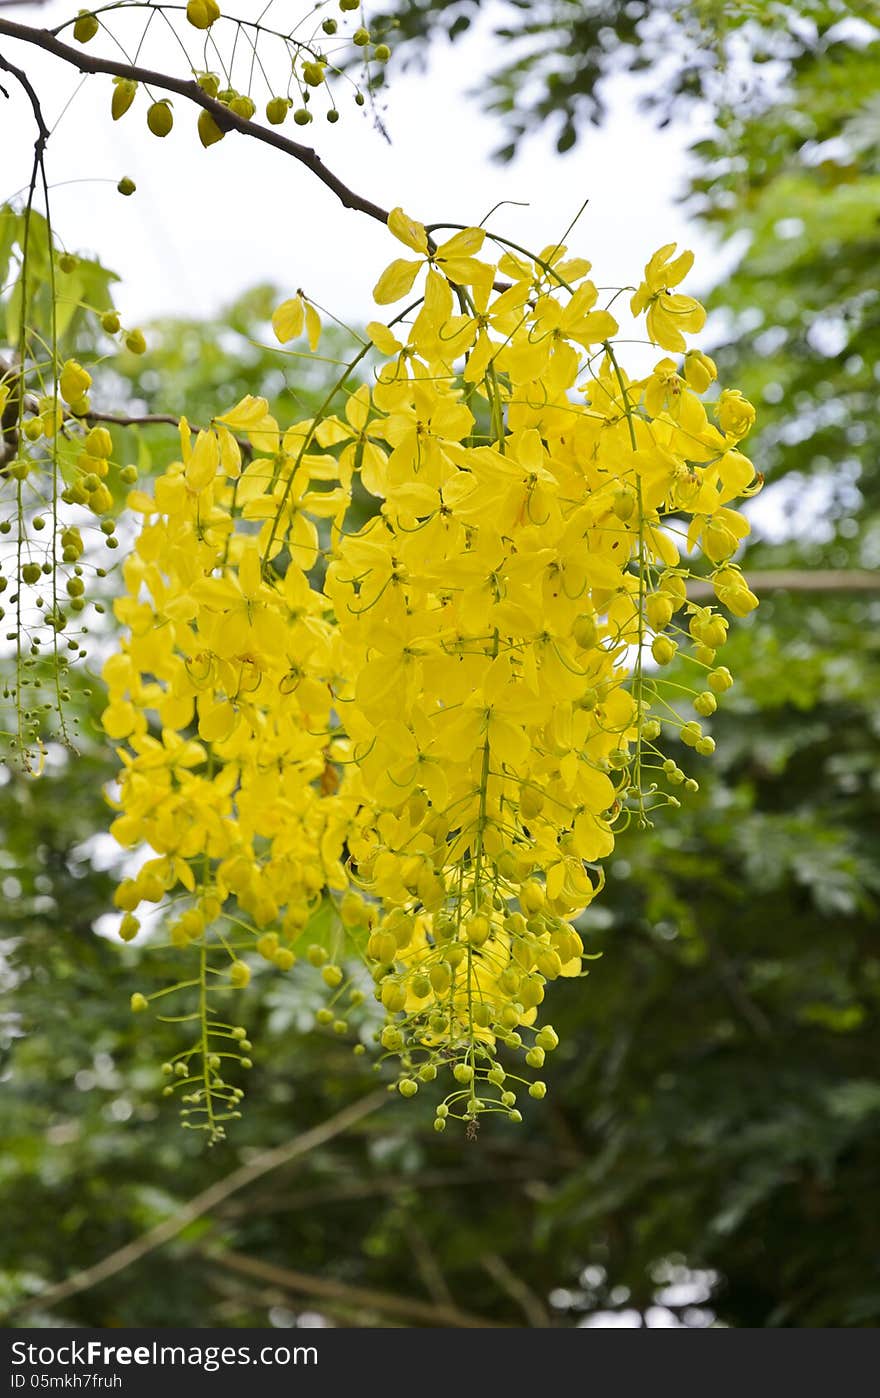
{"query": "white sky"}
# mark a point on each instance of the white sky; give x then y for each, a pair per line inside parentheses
(204, 225)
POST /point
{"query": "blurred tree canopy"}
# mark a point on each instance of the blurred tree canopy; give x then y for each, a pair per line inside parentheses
(710, 1148)
(554, 55)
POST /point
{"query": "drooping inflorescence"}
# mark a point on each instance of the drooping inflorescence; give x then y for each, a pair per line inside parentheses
(402, 748)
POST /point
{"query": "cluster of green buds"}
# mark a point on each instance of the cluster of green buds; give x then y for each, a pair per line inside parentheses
(309, 66)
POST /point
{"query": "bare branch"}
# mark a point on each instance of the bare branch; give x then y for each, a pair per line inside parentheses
(225, 119)
(202, 1204)
(364, 1297)
(148, 420)
(517, 1289)
(797, 580)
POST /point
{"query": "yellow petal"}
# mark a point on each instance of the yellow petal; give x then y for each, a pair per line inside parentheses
(383, 338)
(463, 244)
(288, 320)
(247, 414)
(395, 281)
(203, 462)
(313, 326)
(408, 230)
(249, 571)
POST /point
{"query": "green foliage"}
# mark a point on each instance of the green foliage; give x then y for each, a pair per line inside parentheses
(555, 55)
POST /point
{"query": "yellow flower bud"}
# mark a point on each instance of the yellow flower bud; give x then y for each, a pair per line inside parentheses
(382, 947)
(720, 679)
(202, 13)
(735, 414)
(393, 996)
(532, 896)
(74, 381)
(239, 975)
(663, 649)
(585, 630)
(440, 977)
(129, 927)
(547, 1038)
(98, 442)
(658, 610)
(267, 945)
(624, 504)
(477, 929)
(699, 370)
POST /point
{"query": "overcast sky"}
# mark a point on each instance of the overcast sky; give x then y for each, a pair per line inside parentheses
(204, 225)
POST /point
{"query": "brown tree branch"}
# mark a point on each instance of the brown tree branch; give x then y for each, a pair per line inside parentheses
(202, 1204)
(517, 1289)
(225, 119)
(364, 1297)
(797, 580)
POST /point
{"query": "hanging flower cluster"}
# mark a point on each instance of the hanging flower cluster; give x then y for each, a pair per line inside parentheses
(436, 721)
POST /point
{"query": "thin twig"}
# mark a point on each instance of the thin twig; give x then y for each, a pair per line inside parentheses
(428, 1266)
(202, 1204)
(517, 1289)
(346, 1190)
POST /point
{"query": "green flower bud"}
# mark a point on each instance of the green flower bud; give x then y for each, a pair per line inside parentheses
(160, 117)
(124, 93)
(209, 132)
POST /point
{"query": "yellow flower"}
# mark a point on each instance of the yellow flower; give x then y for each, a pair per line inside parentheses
(735, 414)
(454, 258)
(669, 315)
